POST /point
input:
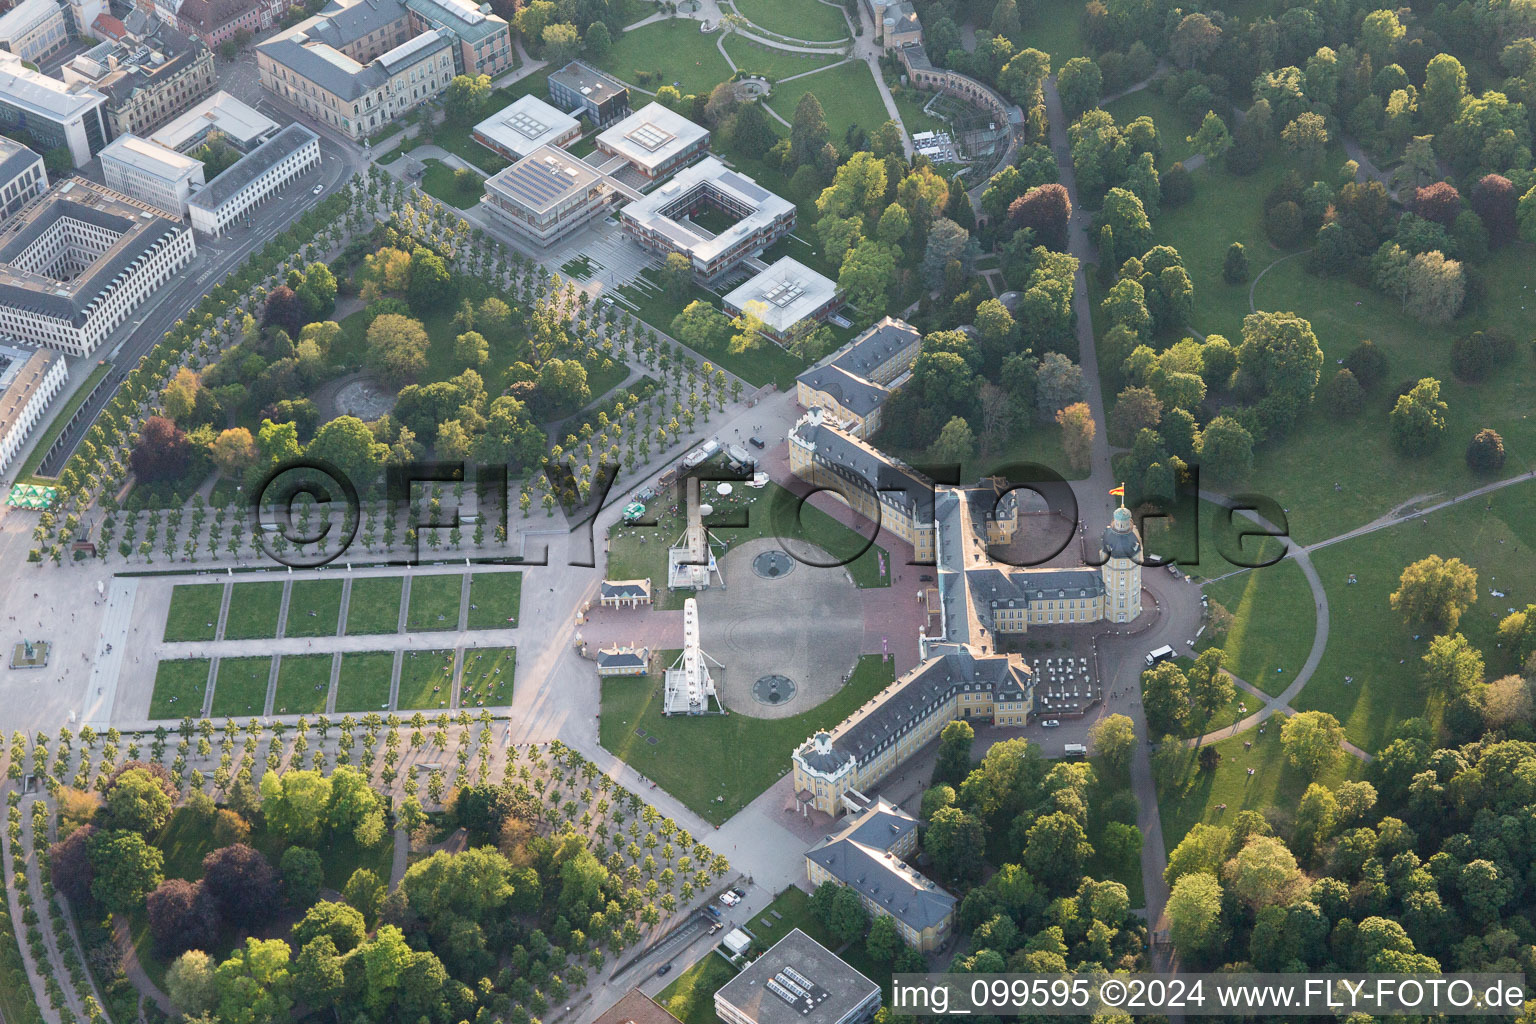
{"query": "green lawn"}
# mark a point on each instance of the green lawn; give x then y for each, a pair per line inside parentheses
(1056, 29)
(56, 425)
(791, 909)
(691, 996)
(374, 606)
(240, 689)
(456, 139)
(440, 180)
(809, 20)
(637, 552)
(184, 842)
(179, 688)
(303, 683)
(426, 681)
(674, 49)
(848, 95)
(1172, 129)
(363, 682)
(1368, 642)
(194, 612)
(1186, 795)
(253, 611)
(1273, 622)
(495, 599)
(434, 603)
(489, 673)
(718, 764)
(314, 607)
(772, 64)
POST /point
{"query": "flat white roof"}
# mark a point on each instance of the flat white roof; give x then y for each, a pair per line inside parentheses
(783, 295)
(761, 208)
(48, 97)
(26, 16)
(221, 112)
(150, 157)
(525, 125)
(651, 136)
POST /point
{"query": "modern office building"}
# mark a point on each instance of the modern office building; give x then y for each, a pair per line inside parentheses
(582, 90)
(22, 177)
(523, 126)
(798, 981)
(547, 195)
(715, 216)
(144, 170)
(785, 296)
(254, 179)
(852, 384)
(147, 81)
(78, 262)
(50, 112)
(34, 29)
(28, 382)
(242, 126)
(655, 141)
(867, 855)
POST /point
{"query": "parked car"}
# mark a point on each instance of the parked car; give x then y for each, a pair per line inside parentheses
(1050, 723)
(715, 927)
(925, 578)
(757, 442)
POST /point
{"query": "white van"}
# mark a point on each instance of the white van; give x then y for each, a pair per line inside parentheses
(1163, 653)
(1075, 750)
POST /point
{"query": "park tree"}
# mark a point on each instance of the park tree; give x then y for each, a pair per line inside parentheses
(137, 801)
(1278, 363)
(1311, 741)
(1077, 432)
(1210, 688)
(1263, 872)
(598, 40)
(242, 884)
(1194, 915)
(955, 444)
(303, 873)
(1058, 384)
(70, 859)
(1439, 202)
(162, 451)
(295, 803)
(1045, 210)
(563, 387)
(1437, 287)
(1307, 137)
(953, 763)
(1165, 695)
(1485, 453)
(1212, 138)
(397, 347)
(1136, 409)
(1433, 592)
(808, 130)
(254, 984)
(124, 869)
(1225, 448)
(1343, 396)
(1368, 363)
(1445, 84)
(283, 310)
(1196, 38)
(1055, 850)
(347, 443)
(1494, 202)
(1123, 213)
(1080, 83)
(1113, 738)
(866, 275)
(956, 840)
(431, 286)
(948, 243)
(179, 397)
(341, 923)
(189, 983)
(884, 942)
(1452, 666)
(233, 452)
(471, 349)
(751, 131)
(465, 98)
(1202, 850)
(182, 916)
(1023, 77)
(701, 326)
(1418, 418)
(935, 798)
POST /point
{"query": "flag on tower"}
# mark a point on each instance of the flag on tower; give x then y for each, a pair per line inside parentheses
(1117, 492)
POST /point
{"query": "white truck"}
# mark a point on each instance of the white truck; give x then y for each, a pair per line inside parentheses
(1162, 653)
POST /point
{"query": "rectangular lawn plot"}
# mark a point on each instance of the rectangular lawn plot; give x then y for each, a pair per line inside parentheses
(179, 688)
(240, 689)
(434, 603)
(494, 599)
(303, 683)
(363, 684)
(488, 676)
(253, 609)
(194, 612)
(313, 608)
(426, 681)
(374, 606)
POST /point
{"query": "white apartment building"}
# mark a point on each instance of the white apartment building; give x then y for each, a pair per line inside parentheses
(77, 263)
(255, 178)
(28, 382)
(22, 177)
(147, 171)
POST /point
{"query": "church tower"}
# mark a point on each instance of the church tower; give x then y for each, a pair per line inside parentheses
(1122, 568)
